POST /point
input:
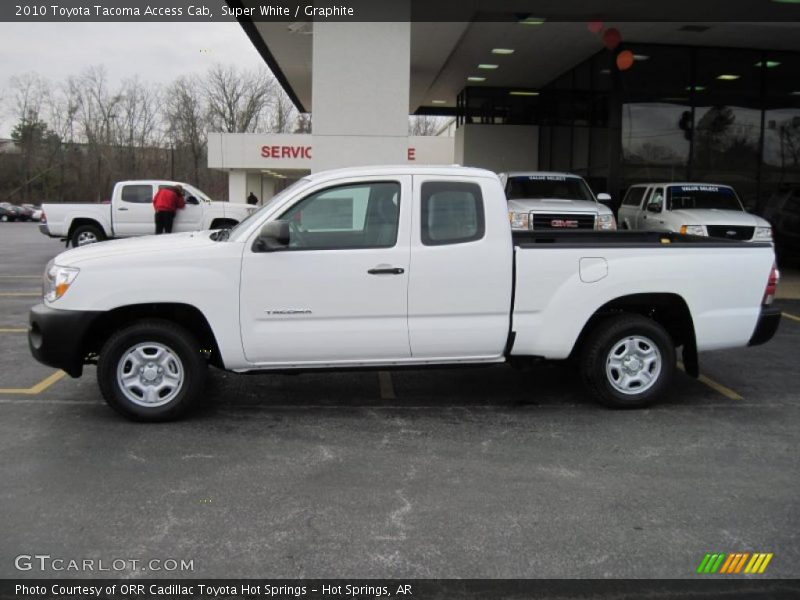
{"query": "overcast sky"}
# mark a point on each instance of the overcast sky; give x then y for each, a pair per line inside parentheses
(156, 52)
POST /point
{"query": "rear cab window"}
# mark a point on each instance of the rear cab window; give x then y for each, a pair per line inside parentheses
(137, 193)
(452, 212)
(694, 197)
(634, 196)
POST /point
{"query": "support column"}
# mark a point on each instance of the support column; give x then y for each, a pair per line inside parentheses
(360, 93)
(237, 186)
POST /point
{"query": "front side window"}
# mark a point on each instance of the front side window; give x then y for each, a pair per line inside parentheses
(656, 201)
(137, 194)
(452, 212)
(362, 215)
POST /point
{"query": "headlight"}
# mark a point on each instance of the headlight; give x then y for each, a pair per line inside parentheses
(693, 230)
(519, 220)
(605, 223)
(57, 281)
(763, 233)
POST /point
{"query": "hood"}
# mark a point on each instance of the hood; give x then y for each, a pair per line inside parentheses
(713, 216)
(557, 205)
(166, 244)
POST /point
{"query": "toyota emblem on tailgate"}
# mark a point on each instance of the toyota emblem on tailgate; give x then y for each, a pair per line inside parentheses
(571, 223)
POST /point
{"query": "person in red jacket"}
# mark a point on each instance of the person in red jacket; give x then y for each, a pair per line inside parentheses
(166, 202)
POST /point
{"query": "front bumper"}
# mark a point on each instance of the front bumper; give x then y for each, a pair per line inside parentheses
(56, 337)
(766, 327)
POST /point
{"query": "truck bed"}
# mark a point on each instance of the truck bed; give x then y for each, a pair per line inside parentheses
(623, 239)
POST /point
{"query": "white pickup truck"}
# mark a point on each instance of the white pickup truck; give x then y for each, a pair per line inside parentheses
(544, 201)
(130, 213)
(384, 267)
(691, 208)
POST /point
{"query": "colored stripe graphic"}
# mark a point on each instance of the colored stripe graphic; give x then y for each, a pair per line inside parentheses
(734, 563)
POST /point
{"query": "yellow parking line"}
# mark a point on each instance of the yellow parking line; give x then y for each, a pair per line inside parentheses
(716, 386)
(16, 294)
(38, 388)
(13, 330)
(792, 317)
(387, 388)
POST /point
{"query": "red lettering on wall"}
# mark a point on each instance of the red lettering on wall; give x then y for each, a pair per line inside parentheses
(412, 154)
(286, 152)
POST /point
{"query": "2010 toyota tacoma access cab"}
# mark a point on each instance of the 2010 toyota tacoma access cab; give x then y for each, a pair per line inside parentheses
(390, 267)
(130, 213)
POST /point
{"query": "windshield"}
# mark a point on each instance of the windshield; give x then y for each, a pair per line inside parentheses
(688, 197)
(193, 191)
(536, 187)
(245, 223)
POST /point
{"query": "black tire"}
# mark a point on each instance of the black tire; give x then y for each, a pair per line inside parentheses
(603, 379)
(168, 335)
(82, 232)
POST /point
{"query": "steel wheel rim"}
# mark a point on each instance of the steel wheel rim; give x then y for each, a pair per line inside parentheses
(150, 374)
(86, 237)
(633, 365)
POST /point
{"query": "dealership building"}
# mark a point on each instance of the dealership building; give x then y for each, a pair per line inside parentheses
(617, 101)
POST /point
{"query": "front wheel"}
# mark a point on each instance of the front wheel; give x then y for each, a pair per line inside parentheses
(628, 361)
(151, 371)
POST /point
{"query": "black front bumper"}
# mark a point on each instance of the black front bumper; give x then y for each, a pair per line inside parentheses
(57, 337)
(766, 327)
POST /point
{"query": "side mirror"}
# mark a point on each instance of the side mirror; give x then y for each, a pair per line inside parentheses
(192, 200)
(654, 207)
(273, 236)
(604, 198)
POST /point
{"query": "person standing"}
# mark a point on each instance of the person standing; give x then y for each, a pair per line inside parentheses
(167, 201)
(252, 199)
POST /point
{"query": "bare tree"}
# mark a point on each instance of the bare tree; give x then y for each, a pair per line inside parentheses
(303, 123)
(425, 125)
(186, 121)
(282, 112)
(237, 100)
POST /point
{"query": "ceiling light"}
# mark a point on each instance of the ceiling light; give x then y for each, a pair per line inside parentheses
(797, 93)
(771, 64)
(502, 51)
(476, 78)
(531, 21)
(728, 77)
(438, 101)
(787, 1)
(523, 93)
(641, 57)
(486, 66)
(696, 88)
(605, 71)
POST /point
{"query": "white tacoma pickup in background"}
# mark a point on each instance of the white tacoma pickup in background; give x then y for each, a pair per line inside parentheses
(382, 267)
(691, 208)
(543, 201)
(131, 213)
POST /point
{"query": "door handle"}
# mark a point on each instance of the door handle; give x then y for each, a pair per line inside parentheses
(122, 208)
(387, 271)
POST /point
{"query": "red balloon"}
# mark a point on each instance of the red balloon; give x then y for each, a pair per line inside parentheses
(611, 38)
(595, 26)
(625, 60)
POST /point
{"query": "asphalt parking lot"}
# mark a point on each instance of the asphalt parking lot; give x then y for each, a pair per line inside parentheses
(449, 473)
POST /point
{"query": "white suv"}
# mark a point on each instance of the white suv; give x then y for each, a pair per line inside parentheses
(691, 208)
(542, 201)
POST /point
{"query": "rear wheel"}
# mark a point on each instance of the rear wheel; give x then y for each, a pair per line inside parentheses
(151, 371)
(84, 235)
(628, 361)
